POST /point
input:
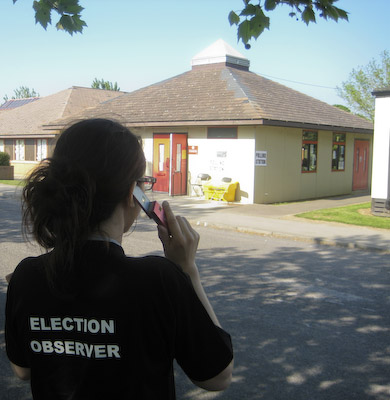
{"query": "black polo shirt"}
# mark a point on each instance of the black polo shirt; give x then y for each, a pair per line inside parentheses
(117, 338)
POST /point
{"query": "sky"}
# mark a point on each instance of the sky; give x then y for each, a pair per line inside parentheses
(137, 43)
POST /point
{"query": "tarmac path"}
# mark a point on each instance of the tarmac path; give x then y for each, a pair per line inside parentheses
(308, 322)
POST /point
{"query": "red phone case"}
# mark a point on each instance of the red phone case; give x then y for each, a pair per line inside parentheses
(157, 213)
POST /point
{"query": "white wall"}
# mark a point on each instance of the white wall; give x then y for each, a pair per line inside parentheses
(148, 151)
(381, 156)
(232, 158)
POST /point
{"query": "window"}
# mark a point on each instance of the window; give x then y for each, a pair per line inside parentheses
(338, 152)
(178, 157)
(41, 149)
(161, 155)
(2, 145)
(222, 133)
(309, 151)
(19, 150)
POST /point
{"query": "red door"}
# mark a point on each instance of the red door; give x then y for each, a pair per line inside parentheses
(161, 162)
(360, 165)
(170, 163)
(179, 164)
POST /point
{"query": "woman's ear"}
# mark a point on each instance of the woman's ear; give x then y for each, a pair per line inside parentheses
(130, 198)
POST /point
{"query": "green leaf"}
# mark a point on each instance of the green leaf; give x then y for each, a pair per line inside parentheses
(270, 5)
(308, 15)
(249, 10)
(42, 13)
(243, 31)
(69, 7)
(234, 19)
(257, 25)
(71, 24)
(342, 14)
(332, 13)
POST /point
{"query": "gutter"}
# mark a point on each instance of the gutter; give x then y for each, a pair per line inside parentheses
(234, 122)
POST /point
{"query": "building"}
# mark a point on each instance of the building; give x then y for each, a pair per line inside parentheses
(380, 204)
(14, 103)
(223, 120)
(22, 134)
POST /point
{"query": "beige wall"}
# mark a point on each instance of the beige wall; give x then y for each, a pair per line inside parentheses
(23, 168)
(282, 179)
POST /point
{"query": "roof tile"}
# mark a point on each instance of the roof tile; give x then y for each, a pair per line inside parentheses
(29, 119)
(219, 93)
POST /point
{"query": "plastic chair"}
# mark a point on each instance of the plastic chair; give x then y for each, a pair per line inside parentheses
(197, 187)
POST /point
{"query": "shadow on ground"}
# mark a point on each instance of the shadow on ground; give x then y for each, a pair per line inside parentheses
(305, 325)
(308, 323)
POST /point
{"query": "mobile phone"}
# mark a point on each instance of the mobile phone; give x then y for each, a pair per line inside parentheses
(152, 208)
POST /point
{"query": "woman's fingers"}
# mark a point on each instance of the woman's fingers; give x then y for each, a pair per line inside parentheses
(173, 226)
(179, 239)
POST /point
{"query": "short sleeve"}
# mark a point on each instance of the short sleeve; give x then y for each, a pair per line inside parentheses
(15, 346)
(202, 349)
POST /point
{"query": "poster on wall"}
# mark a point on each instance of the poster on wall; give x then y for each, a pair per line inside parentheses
(192, 149)
(261, 159)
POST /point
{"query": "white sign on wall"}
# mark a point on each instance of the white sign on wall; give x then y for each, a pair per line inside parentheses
(261, 159)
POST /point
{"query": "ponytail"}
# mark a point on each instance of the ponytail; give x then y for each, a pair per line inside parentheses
(57, 205)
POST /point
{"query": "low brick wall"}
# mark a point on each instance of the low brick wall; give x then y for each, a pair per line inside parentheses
(6, 172)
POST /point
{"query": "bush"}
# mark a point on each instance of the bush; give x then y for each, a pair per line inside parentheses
(4, 159)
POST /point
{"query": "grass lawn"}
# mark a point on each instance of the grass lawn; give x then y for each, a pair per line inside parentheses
(14, 182)
(357, 214)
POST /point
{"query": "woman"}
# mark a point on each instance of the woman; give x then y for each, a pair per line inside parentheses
(83, 321)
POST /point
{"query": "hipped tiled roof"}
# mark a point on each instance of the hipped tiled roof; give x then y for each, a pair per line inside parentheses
(30, 118)
(14, 103)
(220, 94)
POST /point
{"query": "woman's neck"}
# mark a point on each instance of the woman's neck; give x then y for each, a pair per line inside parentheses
(113, 226)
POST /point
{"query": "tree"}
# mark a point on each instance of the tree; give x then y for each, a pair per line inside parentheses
(251, 20)
(106, 85)
(69, 10)
(341, 107)
(22, 92)
(357, 90)
(255, 21)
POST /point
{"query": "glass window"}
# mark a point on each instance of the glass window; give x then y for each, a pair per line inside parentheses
(41, 149)
(19, 150)
(338, 152)
(222, 133)
(2, 145)
(178, 157)
(161, 155)
(309, 151)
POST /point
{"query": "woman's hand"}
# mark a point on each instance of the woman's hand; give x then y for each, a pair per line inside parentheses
(180, 241)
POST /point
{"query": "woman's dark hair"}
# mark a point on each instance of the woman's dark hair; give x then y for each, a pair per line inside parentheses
(69, 195)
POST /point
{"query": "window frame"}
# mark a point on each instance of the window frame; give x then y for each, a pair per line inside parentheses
(216, 129)
(39, 157)
(309, 142)
(339, 144)
(17, 153)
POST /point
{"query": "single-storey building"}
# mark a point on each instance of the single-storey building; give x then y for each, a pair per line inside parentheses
(222, 120)
(21, 123)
